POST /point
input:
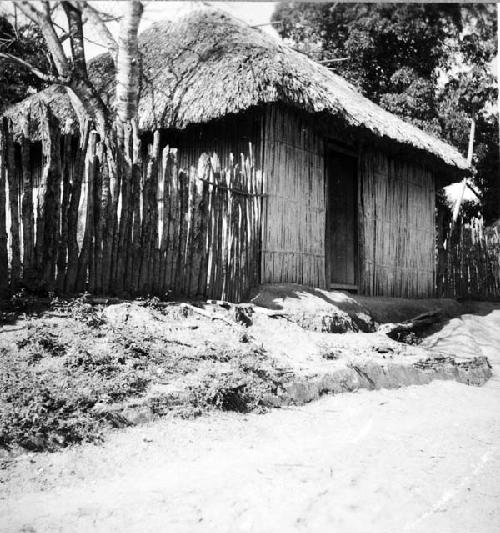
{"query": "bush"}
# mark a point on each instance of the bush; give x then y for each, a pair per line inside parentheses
(243, 385)
(40, 342)
(66, 379)
(45, 408)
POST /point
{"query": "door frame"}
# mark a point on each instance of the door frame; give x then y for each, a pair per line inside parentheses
(336, 147)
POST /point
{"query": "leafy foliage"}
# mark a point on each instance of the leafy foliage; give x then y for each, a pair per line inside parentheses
(245, 385)
(64, 379)
(427, 63)
(16, 81)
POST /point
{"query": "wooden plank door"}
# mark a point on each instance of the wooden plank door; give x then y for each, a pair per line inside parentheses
(341, 220)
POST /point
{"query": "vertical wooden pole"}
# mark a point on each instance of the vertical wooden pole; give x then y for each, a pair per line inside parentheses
(188, 239)
(153, 272)
(125, 168)
(14, 193)
(177, 281)
(204, 237)
(101, 196)
(27, 204)
(4, 259)
(224, 232)
(115, 176)
(165, 170)
(150, 217)
(76, 189)
(66, 165)
(85, 260)
(107, 218)
(197, 224)
(47, 229)
(134, 264)
(215, 244)
(172, 177)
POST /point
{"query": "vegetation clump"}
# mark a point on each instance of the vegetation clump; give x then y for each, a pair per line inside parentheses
(70, 376)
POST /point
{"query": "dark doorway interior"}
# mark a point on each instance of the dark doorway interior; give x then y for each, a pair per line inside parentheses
(341, 220)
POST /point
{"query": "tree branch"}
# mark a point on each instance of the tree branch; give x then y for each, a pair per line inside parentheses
(335, 60)
(75, 30)
(44, 21)
(49, 78)
(95, 18)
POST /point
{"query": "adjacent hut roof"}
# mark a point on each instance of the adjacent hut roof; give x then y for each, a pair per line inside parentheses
(209, 64)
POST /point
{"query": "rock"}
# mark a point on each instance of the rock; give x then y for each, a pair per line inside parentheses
(384, 349)
(242, 314)
(130, 314)
(138, 415)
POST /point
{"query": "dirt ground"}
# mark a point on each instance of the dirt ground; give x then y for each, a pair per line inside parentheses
(423, 458)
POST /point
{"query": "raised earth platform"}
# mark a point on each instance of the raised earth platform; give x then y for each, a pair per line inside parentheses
(128, 362)
(318, 342)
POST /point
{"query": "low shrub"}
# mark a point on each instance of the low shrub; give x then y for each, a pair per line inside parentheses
(244, 384)
(40, 342)
(45, 408)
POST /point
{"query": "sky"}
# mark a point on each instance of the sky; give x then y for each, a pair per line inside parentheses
(253, 13)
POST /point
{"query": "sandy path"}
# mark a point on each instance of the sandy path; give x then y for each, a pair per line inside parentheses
(421, 459)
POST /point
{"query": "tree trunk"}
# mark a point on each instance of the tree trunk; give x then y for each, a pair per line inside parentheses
(127, 76)
(104, 257)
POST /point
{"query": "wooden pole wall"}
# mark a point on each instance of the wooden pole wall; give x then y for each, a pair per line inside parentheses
(4, 257)
(397, 242)
(199, 223)
(147, 227)
(295, 210)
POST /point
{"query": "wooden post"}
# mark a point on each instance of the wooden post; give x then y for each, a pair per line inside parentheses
(197, 224)
(85, 260)
(4, 259)
(172, 177)
(27, 203)
(165, 163)
(177, 281)
(224, 228)
(153, 272)
(101, 195)
(150, 217)
(113, 217)
(204, 238)
(133, 272)
(498, 97)
(66, 190)
(188, 239)
(125, 140)
(214, 243)
(14, 194)
(76, 189)
(49, 194)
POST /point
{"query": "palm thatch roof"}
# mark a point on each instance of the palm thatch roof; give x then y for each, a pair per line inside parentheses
(209, 64)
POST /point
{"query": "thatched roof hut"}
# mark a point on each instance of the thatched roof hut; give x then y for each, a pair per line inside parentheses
(209, 64)
(336, 191)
